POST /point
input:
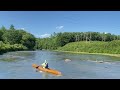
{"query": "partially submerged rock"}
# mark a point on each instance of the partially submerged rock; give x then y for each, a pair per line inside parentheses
(67, 60)
(100, 61)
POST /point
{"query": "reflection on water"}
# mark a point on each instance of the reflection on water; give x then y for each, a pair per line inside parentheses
(45, 75)
(73, 66)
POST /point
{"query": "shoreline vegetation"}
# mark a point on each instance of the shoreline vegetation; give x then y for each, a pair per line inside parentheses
(74, 42)
(15, 40)
(115, 55)
(111, 48)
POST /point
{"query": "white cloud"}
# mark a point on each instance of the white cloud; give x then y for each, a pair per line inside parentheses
(37, 36)
(22, 28)
(42, 36)
(59, 27)
(45, 35)
(105, 32)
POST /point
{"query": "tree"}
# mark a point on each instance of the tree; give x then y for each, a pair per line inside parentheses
(12, 27)
(28, 40)
(3, 28)
(2, 31)
(12, 37)
(63, 38)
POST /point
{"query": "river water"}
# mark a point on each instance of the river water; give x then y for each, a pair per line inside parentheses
(18, 65)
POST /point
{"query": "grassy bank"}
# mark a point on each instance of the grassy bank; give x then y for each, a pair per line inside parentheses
(116, 55)
(95, 47)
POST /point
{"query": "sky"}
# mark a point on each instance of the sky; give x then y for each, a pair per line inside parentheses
(44, 23)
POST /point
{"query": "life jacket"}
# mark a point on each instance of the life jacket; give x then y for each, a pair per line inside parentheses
(46, 65)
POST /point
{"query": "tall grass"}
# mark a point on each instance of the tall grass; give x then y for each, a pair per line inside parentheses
(112, 47)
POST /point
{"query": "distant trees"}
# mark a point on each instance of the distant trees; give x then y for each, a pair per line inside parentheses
(16, 39)
(2, 31)
(64, 38)
(60, 39)
(12, 27)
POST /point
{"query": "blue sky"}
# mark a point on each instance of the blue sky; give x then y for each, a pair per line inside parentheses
(44, 23)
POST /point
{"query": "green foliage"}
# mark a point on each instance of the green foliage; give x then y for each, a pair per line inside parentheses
(60, 39)
(7, 47)
(63, 38)
(112, 47)
(2, 31)
(92, 42)
(12, 37)
(3, 28)
(12, 27)
(15, 40)
(28, 40)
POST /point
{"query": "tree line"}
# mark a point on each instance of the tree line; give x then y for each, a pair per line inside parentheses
(60, 39)
(15, 39)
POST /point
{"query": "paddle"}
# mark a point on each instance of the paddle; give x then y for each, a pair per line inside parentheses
(37, 69)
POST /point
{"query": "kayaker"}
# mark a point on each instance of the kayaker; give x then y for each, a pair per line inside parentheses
(45, 64)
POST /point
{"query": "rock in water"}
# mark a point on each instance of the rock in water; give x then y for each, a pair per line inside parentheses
(67, 60)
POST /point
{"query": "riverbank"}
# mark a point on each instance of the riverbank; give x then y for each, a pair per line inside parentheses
(115, 55)
(111, 48)
(4, 48)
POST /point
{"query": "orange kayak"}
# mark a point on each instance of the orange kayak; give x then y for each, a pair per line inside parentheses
(52, 71)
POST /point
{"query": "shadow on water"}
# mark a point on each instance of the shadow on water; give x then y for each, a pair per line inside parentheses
(45, 75)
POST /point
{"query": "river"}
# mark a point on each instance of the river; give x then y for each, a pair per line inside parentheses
(18, 65)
